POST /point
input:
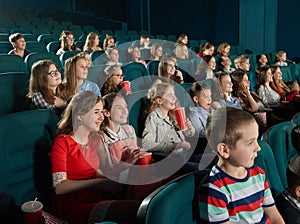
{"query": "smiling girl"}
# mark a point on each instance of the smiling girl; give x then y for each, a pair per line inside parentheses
(161, 134)
(75, 76)
(45, 88)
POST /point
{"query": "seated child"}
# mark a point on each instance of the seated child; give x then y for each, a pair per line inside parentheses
(238, 191)
(201, 95)
(288, 202)
(161, 134)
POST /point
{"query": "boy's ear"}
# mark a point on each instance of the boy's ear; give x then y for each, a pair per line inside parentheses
(297, 191)
(223, 150)
(195, 99)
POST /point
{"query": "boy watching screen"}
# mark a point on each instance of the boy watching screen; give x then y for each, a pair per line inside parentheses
(237, 190)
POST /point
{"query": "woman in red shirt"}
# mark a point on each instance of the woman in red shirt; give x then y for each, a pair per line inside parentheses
(82, 194)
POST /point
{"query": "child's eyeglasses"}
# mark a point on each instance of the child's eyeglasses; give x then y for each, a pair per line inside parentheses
(68, 38)
(54, 73)
(117, 75)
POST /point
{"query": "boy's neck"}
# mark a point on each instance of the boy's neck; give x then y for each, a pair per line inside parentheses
(234, 171)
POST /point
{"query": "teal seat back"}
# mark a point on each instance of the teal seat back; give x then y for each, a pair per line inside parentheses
(25, 141)
(137, 74)
(37, 56)
(170, 204)
(35, 46)
(53, 46)
(46, 38)
(265, 159)
(286, 73)
(152, 67)
(135, 102)
(96, 59)
(5, 47)
(183, 95)
(187, 66)
(13, 91)
(66, 55)
(279, 138)
(96, 74)
(12, 63)
(296, 118)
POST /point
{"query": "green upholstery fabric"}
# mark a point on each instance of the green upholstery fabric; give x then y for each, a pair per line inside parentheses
(135, 102)
(296, 118)
(46, 38)
(279, 138)
(37, 56)
(13, 91)
(12, 63)
(96, 74)
(182, 94)
(66, 55)
(35, 46)
(137, 74)
(53, 46)
(97, 61)
(170, 204)
(25, 140)
(265, 159)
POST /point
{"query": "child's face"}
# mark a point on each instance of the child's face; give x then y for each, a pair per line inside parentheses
(246, 148)
(114, 56)
(226, 84)
(212, 63)
(53, 81)
(93, 119)
(168, 100)
(203, 99)
(20, 44)
(119, 111)
(81, 69)
(245, 65)
(117, 77)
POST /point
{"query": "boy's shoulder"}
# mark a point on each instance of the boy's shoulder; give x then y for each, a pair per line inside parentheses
(217, 173)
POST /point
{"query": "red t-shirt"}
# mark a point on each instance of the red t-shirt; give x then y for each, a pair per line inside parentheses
(76, 161)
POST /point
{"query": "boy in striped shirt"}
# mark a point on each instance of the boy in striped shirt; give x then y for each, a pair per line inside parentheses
(237, 191)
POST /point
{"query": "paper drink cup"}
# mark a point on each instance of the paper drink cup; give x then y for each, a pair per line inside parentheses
(146, 159)
(126, 86)
(32, 211)
(285, 104)
(181, 117)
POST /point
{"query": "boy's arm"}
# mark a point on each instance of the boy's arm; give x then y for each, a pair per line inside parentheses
(273, 215)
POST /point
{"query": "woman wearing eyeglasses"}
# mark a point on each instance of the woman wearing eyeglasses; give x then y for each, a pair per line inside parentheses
(67, 43)
(45, 88)
(113, 81)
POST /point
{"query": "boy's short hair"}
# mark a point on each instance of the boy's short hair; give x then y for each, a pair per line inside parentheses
(295, 137)
(223, 126)
(14, 37)
(293, 175)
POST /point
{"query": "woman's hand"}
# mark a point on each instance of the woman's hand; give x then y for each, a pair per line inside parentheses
(189, 126)
(132, 155)
(58, 102)
(183, 145)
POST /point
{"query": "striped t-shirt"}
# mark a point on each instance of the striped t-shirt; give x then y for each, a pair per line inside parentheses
(236, 200)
